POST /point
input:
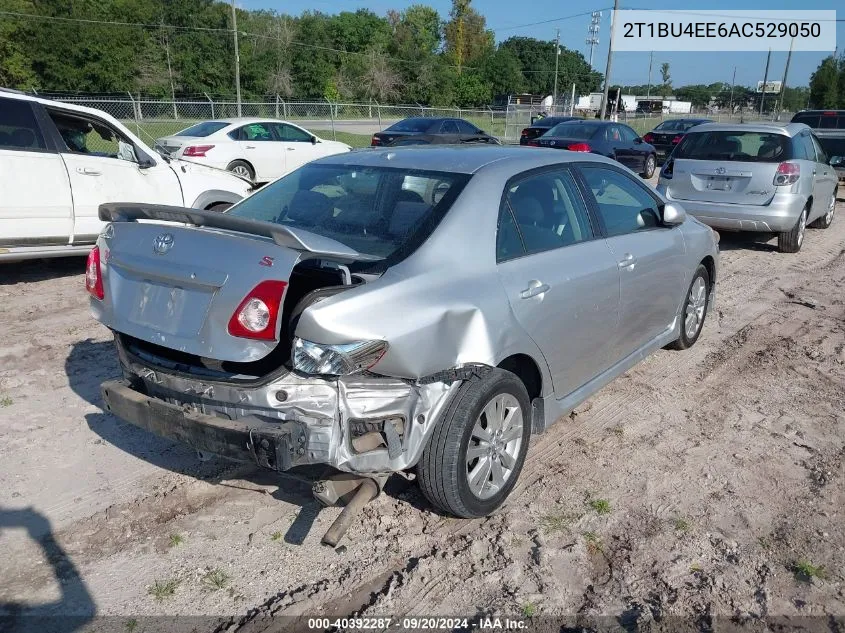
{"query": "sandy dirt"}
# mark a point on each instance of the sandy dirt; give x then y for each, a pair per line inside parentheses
(700, 484)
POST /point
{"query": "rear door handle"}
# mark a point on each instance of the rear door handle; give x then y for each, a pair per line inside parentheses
(87, 171)
(628, 261)
(250, 146)
(534, 289)
(290, 149)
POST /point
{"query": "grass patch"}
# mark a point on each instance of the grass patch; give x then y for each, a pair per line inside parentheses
(695, 568)
(765, 542)
(216, 579)
(276, 536)
(618, 431)
(176, 540)
(555, 522)
(6, 401)
(594, 544)
(162, 589)
(601, 506)
(131, 625)
(529, 610)
(805, 571)
(682, 525)
(355, 140)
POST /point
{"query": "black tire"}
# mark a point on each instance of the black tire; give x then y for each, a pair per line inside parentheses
(220, 207)
(242, 164)
(791, 241)
(827, 219)
(687, 340)
(442, 469)
(649, 167)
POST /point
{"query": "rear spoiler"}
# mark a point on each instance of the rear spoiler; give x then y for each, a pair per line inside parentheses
(309, 243)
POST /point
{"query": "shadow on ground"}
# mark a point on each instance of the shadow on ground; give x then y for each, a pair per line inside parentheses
(42, 269)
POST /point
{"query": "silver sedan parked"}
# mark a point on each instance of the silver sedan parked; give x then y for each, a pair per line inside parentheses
(377, 311)
(753, 177)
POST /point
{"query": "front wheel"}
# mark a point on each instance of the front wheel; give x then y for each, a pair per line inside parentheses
(790, 241)
(478, 448)
(648, 168)
(695, 309)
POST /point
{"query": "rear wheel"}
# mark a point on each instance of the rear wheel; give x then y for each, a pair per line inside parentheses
(478, 448)
(695, 309)
(827, 219)
(648, 169)
(242, 168)
(790, 241)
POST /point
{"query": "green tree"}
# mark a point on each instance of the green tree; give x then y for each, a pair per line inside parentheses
(824, 84)
(15, 64)
(467, 39)
(666, 86)
(537, 63)
(502, 72)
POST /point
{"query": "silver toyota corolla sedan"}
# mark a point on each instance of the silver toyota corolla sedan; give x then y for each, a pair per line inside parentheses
(753, 177)
(429, 307)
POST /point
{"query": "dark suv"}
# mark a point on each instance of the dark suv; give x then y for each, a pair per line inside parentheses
(829, 128)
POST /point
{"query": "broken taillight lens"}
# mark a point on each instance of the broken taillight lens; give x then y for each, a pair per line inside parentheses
(258, 313)
(94, 275)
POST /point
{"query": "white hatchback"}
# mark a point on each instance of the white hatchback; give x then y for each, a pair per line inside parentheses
(258, 149)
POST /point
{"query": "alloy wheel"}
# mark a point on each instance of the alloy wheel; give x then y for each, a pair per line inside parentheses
(494, 444)
(696, 303)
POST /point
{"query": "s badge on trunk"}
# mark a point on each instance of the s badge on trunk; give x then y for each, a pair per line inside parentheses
(163, 243)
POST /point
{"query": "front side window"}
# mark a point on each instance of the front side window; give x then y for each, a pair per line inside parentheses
(539, 213)
(91, 136)
(623, 204)
(755, 147)
(379, 211)
(628, 135)
(18, 128)
(291, 134)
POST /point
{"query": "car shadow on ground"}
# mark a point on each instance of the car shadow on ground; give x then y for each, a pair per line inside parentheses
(75, 606)
(746, 241)
(40, 270)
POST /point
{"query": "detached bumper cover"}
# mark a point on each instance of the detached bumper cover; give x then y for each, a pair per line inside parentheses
(275, 445)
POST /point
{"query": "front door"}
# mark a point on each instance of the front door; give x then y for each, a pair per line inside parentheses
(561, 279)
(649, 255)
(299, 145)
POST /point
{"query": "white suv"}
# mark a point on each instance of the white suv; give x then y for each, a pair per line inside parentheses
(60, 162)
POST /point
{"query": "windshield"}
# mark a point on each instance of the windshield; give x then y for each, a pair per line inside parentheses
(676, 126)
(574, 130)
(380, 211)
(203, 129)
(410, 125)
(754, 147)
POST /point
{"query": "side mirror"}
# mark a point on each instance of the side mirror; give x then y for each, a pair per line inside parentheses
(313, 140)
(837, 161)
(673, 214)
(638, 140)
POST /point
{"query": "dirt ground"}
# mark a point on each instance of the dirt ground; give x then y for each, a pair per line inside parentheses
(701, 484)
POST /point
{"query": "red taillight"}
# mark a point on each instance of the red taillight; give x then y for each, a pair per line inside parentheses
(787, 174)
(93, 275)
(677, 139)
(197, 150)
(258, 313)
(375, 141)
(578, 147)
(524, 132)
(648, 138)
(828, 113)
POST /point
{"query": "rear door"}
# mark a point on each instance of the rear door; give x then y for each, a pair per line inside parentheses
(560, 277)
(648, 255)
(103, 166)
(730, 167)
(260, 147)
(806, 154)
(36, 208)
(827, 177)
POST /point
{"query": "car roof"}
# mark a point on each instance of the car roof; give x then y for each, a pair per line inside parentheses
(788, 129)
(462, 159)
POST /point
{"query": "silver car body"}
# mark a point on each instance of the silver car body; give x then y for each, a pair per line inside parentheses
(741, 195)
(574, 318)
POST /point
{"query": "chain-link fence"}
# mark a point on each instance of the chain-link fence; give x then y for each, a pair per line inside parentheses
(353, 123)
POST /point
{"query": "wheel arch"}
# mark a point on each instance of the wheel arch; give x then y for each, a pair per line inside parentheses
(527, 370)
(211, 197)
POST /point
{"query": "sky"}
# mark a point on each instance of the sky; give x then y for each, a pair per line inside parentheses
(628, 68)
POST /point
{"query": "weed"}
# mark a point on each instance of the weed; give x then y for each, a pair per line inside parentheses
(216, 579)
(162, 589)
(557, 522)
(6, 401)
(131, 625)
(765, 542)
(695, 567)
(682, 525)
(276, 536)
(529, 609)
(619, 431)
(805, 571)
(594, 544)
(601, 506)
(176, 539)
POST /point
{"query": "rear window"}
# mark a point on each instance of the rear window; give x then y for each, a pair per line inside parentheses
(410, 125)
(755, 147)
(387, 212)
(574, 130)
(676, 126)
(18, 129)
(203, 129)
(819, 120)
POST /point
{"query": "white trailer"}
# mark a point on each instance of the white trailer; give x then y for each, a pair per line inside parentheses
(677, 107)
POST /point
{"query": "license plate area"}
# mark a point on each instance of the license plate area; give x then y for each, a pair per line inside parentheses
(169, 309)
(719, 183)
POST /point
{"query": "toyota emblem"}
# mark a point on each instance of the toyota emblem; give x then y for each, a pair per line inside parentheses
(721, 170)
(163, 243)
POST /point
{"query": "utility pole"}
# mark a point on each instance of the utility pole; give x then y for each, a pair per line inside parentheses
(593, 33)
(733, 83)
(557, 58)
(237, 57)
(650, 60)
(765, 81)
(785, 72)
(572, 101)
(609, 58)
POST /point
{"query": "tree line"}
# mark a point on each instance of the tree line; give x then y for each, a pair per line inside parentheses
(163, 48)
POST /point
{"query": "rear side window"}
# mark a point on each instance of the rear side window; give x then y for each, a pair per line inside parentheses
(804, 149)
(203, 129)
(754, 147)
(252, 132)
(449, 127)
(18, 129)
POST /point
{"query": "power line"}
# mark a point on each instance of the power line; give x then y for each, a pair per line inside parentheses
(566, 17)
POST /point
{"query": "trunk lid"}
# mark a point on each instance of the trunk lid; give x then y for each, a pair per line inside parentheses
(174, 144)
(178, 285)
(747, 183)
